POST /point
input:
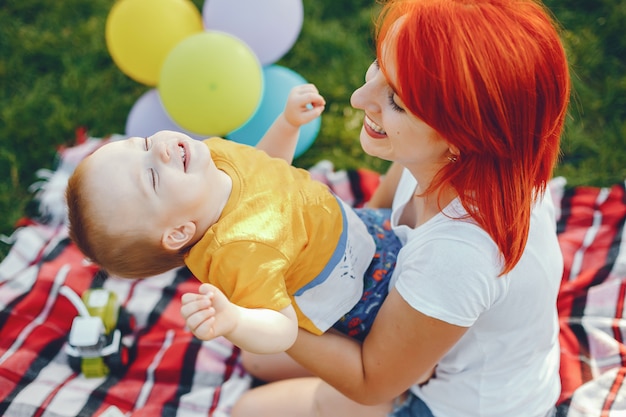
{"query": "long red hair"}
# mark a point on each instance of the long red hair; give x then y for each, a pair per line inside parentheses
(491, 77)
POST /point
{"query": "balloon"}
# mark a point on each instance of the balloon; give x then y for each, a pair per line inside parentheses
(147, 116)
(211, 83)
(140, 33)
(278, 82)
(269, 27)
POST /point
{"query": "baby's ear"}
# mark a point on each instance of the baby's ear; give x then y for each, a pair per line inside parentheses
(177, 237)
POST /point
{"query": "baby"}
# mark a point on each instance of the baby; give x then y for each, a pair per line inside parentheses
(275, 249)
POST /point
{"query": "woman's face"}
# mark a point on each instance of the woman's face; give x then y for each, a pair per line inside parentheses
(390, 131)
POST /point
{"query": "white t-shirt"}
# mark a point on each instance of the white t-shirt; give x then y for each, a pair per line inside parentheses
(507, 363)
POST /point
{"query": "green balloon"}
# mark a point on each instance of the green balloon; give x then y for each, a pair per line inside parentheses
(211, 83)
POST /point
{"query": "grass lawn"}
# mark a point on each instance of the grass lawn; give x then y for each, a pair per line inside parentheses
(56, 75)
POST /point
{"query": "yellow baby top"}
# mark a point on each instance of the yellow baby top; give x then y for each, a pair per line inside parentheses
(282, 238)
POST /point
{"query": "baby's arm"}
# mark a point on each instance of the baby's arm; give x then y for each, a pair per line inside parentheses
(210, 314)
(304, 104)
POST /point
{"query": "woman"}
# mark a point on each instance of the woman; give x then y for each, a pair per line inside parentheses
(468, 99)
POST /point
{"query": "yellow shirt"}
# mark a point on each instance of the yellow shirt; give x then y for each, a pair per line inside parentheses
(277, 238)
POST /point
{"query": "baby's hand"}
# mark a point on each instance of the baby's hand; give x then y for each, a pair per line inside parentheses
(209, 313)
(304, 104)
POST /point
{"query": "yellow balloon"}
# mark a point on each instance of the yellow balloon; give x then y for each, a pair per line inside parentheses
(211, 83)
(140, 33)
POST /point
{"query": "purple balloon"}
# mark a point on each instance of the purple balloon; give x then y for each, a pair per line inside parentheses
(269, 27)
(148, 116)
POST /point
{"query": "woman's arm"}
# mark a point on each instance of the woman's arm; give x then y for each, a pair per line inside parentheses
(210, 314)
(383, 196)
(304, 104)
(402, 349)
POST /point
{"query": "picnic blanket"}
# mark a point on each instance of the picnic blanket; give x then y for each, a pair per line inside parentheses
(171, 373)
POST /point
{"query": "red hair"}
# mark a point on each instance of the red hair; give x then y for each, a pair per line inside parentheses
(491, 77)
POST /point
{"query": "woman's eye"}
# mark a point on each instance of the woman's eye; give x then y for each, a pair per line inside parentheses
(147, 145)
(393, 103)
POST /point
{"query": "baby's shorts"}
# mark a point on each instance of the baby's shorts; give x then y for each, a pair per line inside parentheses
(409, 405)
(358, 321)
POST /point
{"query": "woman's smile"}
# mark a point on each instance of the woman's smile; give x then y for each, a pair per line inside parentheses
(373, 130)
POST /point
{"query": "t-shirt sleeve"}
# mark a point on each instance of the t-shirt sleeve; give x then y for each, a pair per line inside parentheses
(450, 280)
(251, 275)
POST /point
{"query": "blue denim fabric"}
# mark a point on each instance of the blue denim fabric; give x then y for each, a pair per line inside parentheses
(411, 406)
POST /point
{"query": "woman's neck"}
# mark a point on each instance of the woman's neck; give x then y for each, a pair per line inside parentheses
(423, 207)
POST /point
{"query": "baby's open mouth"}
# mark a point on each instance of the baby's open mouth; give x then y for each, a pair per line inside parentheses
(183, 156)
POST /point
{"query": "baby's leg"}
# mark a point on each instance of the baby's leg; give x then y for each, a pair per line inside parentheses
(302, 397)
(270, 368)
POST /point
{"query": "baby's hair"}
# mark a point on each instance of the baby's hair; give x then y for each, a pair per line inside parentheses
(491, 77)
(128, 254)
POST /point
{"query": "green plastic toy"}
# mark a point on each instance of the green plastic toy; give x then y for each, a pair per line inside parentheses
(95, 347)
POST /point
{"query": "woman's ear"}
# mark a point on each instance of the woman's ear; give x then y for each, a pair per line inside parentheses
(176, 238)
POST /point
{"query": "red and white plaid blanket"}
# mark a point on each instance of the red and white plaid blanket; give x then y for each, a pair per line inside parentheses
(174, 374)
(592, 300)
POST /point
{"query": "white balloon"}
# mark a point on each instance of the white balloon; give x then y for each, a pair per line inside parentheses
(269, 27)
(148, 116)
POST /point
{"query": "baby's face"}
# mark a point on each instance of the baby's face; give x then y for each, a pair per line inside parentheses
(152, 183)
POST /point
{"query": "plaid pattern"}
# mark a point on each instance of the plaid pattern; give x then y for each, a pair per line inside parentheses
(591, 300)
(174, 374)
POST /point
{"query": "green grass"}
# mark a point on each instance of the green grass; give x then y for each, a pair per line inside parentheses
(56, 75)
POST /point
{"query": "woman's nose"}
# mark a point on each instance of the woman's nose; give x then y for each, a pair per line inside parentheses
(363, 98)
